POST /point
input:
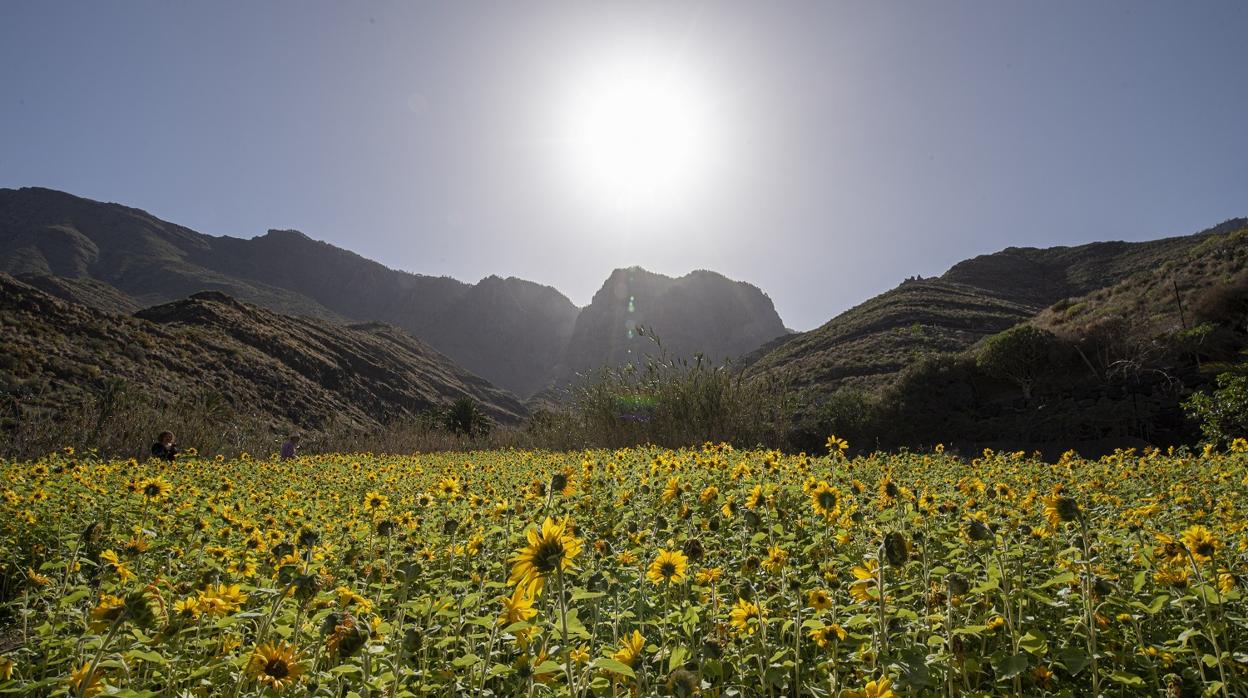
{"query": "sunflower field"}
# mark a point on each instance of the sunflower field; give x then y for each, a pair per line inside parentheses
(706, 571)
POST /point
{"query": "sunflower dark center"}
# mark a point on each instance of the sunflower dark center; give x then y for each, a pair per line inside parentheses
(827, 500)
(667, 569)
(1204, 549)
(277, 668)
(548, 556)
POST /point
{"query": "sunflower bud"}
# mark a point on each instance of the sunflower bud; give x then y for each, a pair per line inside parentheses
(896, 549)
(1068, 509)
(682, 682)
(979, 531)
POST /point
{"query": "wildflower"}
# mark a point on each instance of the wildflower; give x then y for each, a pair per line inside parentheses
(375, 502)
(551, 548)
(579, 655)
(836, 446)
(825, 500)
(669, 567)
(36, 578)
(107, 610)
(630, 649)
(819, 599)
(827, 633)
(709, 575)
(1201, 542)
(776, 557)
(880, 688)
(86, 683)
(672, 490)
(518, 607)
(866, 574)
(745, 617)
(187, 609)
(709, 494)
(155, 488)
(275, 666)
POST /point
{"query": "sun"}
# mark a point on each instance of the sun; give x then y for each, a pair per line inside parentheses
(639, 136)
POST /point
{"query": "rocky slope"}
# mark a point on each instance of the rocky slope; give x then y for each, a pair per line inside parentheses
(701, 312)
(302, 372)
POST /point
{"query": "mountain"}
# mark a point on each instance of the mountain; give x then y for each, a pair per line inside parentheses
(867, 346)
(517, 334)
(56, 354)
(700, 312)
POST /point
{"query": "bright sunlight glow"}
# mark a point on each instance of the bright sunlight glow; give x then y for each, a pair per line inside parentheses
(639, 137)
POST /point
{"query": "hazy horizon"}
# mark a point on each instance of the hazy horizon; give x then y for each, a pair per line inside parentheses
(824, 152)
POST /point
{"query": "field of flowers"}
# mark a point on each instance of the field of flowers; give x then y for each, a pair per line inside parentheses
(706, 571)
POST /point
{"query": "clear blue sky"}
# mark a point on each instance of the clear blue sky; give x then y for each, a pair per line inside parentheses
(856, 143)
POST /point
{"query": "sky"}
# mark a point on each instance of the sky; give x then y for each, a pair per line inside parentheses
(823, 151)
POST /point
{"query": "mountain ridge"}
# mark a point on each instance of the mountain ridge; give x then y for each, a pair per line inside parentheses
(513, 332)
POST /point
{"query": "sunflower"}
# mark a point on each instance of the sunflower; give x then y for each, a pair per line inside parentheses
(86, 683)
(836, 446)
(824, 634)
(757, 498)
(630, 649)
(107, 611)
(668, 567)
(819, 599)
(861, 590)
(155, 488)
(745, 617)
(672, 490)
(551, 547)
(776, 557)
(825, 500)
(275, 666)
(709, 494)
(187, 608)
(881, 688)
(1201, 542)
(375, 501)
(517, 608)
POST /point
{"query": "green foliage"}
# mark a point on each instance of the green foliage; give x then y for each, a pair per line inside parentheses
(668, 401)
(1222, 413)
(1022, 355)
(465, 418)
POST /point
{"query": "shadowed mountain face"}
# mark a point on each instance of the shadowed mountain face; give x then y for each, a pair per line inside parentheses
(298, 371)
(699, 312)
(515, 333)
(865, 347)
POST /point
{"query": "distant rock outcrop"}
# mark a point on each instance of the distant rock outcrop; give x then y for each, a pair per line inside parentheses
(700, 312)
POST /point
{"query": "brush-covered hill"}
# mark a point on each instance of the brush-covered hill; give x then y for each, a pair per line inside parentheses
(867, 346)
(1105, 369)
(57, 355)
(500, 331)
(700, 312)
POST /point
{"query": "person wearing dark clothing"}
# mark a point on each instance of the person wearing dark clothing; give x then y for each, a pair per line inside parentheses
(165, 448)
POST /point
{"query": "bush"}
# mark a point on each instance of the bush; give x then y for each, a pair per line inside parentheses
(1223, 414)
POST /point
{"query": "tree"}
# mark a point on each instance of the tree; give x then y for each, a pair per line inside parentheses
(1021, 355)
(465, 417)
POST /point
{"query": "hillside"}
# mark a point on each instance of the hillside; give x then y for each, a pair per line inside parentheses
(699, 312)
(867, 346)
(514, 333)
(298, 372)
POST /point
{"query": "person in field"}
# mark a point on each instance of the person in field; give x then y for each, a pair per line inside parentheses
(165, 447)
(290, 449)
